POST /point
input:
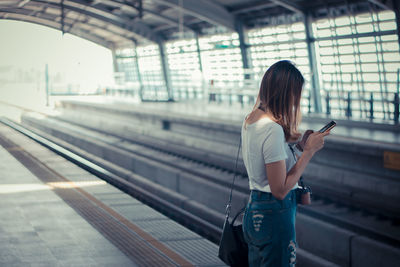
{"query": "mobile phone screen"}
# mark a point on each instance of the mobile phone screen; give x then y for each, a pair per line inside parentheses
(328, 127)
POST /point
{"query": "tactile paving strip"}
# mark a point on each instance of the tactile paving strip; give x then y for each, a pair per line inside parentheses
(115, 199)
(138, 213)
(166, 230)
(198, 255)
(138, 245)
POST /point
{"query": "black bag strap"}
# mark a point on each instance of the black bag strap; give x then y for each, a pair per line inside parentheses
(228, 206)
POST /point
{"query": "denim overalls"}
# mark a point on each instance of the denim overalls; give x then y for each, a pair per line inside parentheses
(269, 229)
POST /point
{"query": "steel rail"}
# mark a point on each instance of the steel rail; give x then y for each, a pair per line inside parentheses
(337, 220)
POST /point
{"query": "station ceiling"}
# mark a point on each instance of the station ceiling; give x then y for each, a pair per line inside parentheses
(115, 23)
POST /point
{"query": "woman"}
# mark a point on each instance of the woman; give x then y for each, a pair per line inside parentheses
(269, 220)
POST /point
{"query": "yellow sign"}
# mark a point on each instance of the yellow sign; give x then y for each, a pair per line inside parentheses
(391, 160)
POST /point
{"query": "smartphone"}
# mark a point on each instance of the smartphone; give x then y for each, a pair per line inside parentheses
(328, 127)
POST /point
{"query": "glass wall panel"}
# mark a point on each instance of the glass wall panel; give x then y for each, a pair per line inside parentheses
(365, 66)
(222, 63)
(151, 72)
(184, 69)
(357, 58)
(127, 75)
(282, 42)
(126, 64)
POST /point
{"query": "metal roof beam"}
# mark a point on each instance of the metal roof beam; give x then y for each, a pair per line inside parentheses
(135, 26)
(82, 7)
(205, 10)
(51, 24)
(151, 12)
(95, 2)
(383, 4)
(289, 5)
(163, 27)
(252, 8)
(138, 5)
(168, 20)
(55, 19)
(72, 25)
(23, 2)
(93, 38)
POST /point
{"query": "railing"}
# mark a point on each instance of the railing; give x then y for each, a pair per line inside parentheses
(188, 93)
(351, 105)
(364, 107)
(347, 105)
(121, 91)
(242, 96)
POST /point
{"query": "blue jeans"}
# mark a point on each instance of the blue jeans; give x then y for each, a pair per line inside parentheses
(269, 229)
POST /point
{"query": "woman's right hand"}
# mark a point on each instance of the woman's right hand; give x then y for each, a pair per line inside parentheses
(315, 142)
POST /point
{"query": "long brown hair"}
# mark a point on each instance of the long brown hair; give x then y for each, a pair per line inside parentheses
(280, 94)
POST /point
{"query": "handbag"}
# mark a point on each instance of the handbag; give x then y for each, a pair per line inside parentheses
(233, 249)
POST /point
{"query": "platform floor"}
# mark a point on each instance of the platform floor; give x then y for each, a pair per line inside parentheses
(54, 213)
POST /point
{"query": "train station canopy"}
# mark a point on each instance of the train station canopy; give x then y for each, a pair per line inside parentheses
(114, 23)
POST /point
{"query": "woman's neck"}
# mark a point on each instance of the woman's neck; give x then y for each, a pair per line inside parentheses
(266, 113)
(259, 114)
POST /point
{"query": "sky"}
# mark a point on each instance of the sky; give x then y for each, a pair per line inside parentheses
(29, 47)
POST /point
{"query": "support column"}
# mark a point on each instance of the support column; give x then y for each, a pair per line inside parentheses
(242, 44)
(203, 90)
(114, 58)
(198, 51)
(116, 70)
(164, 65)
(46, 73)
(62, 17)
(315, 86)
(396, 9)
(136, 59)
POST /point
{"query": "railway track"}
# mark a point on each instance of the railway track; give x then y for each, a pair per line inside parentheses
(353, 229)
(360, 221)
(325, 189)
(347, 171)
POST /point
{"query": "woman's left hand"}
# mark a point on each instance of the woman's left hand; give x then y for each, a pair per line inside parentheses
(300, 145)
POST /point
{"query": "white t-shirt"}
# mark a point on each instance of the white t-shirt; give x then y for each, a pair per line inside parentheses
(264, 142)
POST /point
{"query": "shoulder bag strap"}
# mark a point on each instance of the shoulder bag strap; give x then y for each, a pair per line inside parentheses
(228, 206)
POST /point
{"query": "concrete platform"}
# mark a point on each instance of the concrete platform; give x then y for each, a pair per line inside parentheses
(38, 228)
(54, 213)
